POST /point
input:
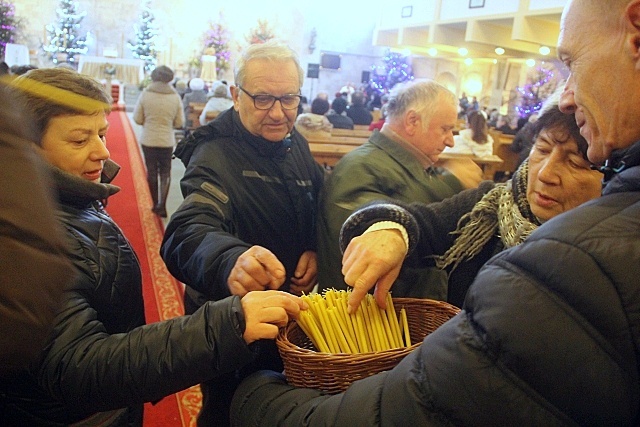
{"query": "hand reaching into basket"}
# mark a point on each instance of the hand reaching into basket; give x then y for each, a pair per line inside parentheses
(266, 311)
(256, 269)
(373, 259)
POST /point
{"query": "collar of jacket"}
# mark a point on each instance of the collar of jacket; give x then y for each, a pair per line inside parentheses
(620, 172)
(263, 147)
(402, 155)
(73, 190)
(161, 87)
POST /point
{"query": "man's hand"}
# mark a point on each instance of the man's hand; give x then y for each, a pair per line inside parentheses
(256, 269)
(466, 170)
(266, 311)
(306, 274)
(373, 259)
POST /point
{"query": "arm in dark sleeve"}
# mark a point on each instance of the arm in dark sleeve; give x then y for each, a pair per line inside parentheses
(199, 245)
(90, 370)
(35, 270)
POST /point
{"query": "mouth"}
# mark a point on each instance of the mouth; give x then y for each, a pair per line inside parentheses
(544, 200)
(92, 175)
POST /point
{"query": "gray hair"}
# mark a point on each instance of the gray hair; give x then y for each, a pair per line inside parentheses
(271, 50)
(421, 96)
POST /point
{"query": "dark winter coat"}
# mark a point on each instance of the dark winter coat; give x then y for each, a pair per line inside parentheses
(100, 362)
(549, 335)
(240, 190)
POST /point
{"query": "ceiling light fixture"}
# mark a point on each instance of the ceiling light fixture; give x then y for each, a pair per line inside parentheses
(499, 51)
(544, 50)
(432, 51)
(530, 62)
(468, 61)
(463, 51)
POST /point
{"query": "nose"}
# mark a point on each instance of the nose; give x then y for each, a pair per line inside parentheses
(276, 112)
(449, 141)
(548, 172)
(99, 150)
(567, 102)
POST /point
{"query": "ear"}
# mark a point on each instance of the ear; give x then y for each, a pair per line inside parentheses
(235, 94)
(412, 121)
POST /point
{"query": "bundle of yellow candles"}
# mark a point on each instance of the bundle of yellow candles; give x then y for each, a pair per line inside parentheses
(369, 329)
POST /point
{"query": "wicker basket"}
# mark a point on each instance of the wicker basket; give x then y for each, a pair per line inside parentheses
(333, 372)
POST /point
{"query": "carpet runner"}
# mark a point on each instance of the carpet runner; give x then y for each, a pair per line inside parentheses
(131, 210)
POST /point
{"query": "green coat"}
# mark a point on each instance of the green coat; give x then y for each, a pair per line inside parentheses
(379, 169)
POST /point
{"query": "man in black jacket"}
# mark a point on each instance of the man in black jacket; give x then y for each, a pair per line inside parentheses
(250, 186)
(549, 332)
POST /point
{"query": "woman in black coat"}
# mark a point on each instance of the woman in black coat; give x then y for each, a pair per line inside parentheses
(102, 362)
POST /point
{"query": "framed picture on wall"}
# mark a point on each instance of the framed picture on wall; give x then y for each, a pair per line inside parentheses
(474, 4)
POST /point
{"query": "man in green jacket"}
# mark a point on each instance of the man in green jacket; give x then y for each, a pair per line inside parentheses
(398, 162)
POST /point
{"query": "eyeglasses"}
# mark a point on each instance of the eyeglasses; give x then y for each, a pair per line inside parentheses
(265, 102)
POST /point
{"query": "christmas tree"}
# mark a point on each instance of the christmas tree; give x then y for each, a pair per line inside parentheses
(535, 91)
(145, 45)
(217, 38)
(9, 25)
(261, 34)
(64, 42)
(396, 69)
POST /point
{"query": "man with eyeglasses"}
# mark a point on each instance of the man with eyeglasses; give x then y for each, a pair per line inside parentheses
(248, 219)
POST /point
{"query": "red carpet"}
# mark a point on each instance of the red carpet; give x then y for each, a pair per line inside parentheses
(131, 210)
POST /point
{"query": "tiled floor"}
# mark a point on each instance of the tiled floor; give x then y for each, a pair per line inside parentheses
(177, 171)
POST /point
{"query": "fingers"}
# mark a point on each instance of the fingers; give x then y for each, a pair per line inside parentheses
(267, 311)
(256, 269)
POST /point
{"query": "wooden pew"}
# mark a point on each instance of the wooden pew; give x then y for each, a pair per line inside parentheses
(361, 127)
(345, 140)
(362, 133)
(502, 148)
(193, 115)
(328, 154)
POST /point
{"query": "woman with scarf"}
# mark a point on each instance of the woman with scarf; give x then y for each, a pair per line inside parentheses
(461, 233)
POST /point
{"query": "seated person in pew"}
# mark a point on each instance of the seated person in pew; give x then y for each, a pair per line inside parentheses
(475, 139)
(460, 234)
(337, 115)
(315, 124)
(398, 162)
(101, 362)
(219, 101)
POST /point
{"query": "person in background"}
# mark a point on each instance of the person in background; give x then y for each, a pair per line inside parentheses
(398, 162)
(383, 116)
(494, 216)
(159, 112)
(502, 125)
(35, 268)
(337, 116)
(523, 140)
(357, 110)
(548, 334)
(101, 363)
(219, 101)
(197, 94)
(251, 188)
(475, 139)
(315, 124)
(4, 69)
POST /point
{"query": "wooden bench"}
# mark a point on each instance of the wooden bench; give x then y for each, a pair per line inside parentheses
(361, 133)
(328, 154)
(345, 140)
(502, 148)
(193, 115)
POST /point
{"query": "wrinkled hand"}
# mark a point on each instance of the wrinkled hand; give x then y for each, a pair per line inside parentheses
(256, 269)
(266, 311)
(306, 274)
(373, 259)
(466, 170)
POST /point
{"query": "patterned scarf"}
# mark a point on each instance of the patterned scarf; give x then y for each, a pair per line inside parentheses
(504, 211)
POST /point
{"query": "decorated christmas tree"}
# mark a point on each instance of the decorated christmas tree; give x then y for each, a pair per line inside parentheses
(144, 46)
(9, 25)
(217, 38)
(64, 43)
(538, 88)
(261, 34)
(396, 69)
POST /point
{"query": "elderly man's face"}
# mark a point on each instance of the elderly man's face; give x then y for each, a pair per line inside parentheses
(604, 81)
(265, 77)
(438, 134)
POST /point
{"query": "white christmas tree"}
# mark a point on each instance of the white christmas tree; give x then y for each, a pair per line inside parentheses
(64, 43)
(144, 46)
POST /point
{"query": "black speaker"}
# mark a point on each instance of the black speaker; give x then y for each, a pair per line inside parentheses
(313, 71)
(366, 75)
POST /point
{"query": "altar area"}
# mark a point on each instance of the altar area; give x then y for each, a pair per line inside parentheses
(114, 72)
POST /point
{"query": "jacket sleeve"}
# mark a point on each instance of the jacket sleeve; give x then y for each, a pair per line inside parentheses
(89, 370)
(138, 112)
(199, 245)
(35, 269)
(179, 120)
